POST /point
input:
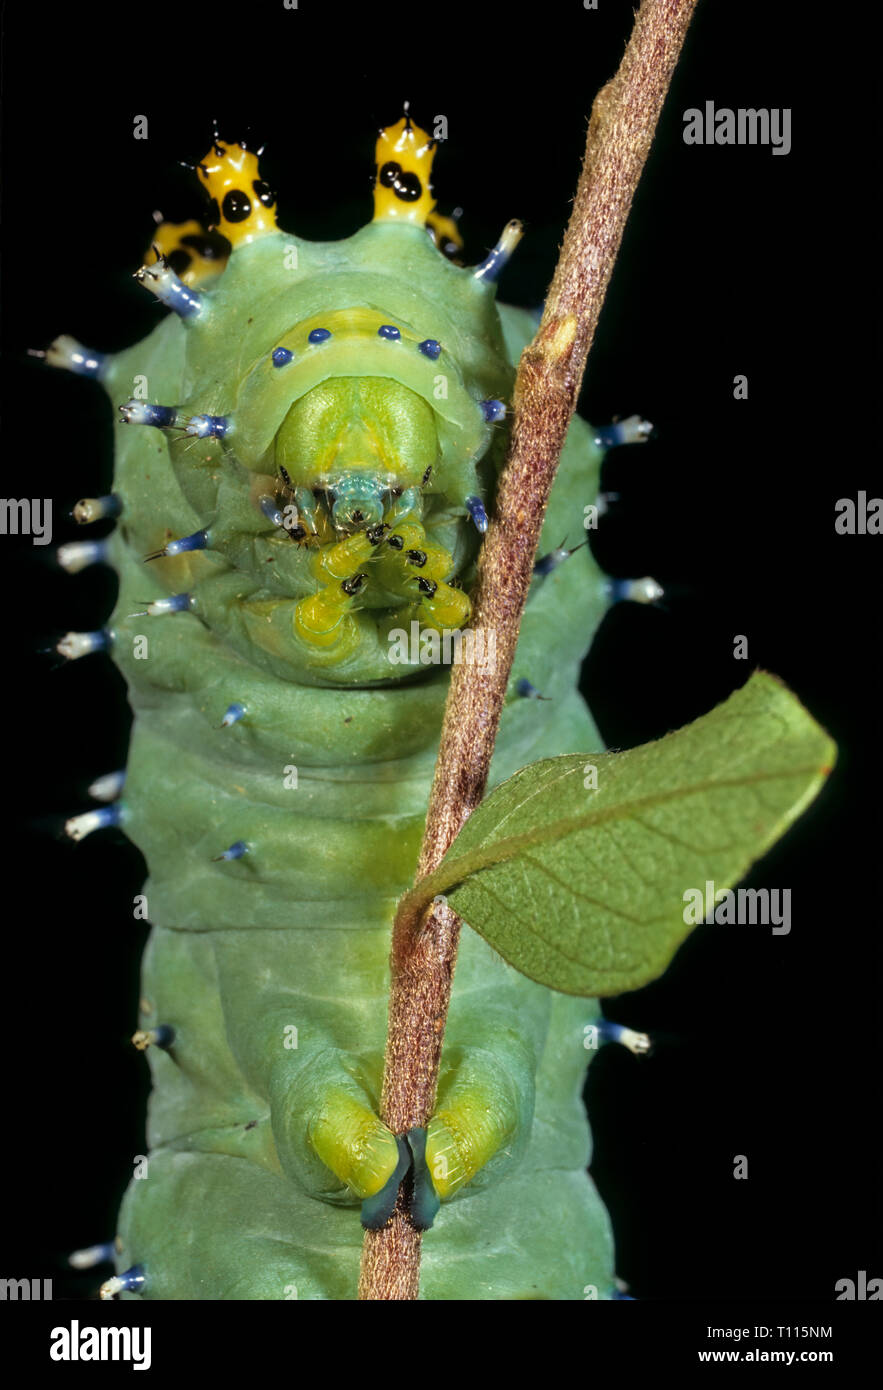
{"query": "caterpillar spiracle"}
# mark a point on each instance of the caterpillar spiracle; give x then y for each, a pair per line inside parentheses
(306, 454)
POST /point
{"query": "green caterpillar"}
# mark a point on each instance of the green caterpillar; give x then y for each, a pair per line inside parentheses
(323, 427)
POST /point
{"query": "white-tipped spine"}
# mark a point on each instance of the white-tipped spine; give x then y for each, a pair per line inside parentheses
(91, 1256)
(162, 281)
(645, 590)
(69, 354)
(78, 827)
(75, 556)
(90, 509)
(638, 1043)
(108, 786)
(497, 258)
(635, 430)
(73, 645)
(161, 607)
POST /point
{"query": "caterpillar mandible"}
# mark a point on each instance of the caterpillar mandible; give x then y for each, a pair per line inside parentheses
(305, 461)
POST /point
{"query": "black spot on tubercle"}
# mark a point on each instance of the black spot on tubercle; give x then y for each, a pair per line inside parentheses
(389, 173)
(210, 245)
(179, 260)
(408, 188)
(264, 193)
(236, 205)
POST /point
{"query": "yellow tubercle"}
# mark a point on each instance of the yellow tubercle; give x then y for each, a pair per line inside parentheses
(242, 203)
(404, 155)
(194, 254)
(446, 235)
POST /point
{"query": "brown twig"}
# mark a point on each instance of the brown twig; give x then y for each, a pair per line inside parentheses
(424, 946)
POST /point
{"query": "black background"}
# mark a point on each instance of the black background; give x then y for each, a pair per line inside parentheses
(734, 261)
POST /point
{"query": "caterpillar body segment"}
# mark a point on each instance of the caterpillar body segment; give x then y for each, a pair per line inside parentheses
(325, 540)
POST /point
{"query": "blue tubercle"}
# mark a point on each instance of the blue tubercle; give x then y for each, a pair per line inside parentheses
(609, 1031)
(270, 508)
(232, 714)
(282, 356)
(549, 562)
(90, 509)
(645, 590)
(131, 1281)
(67, 353)
(527, 691)
(493, 411)
(475, 508)
(633, 430)
(74, 556)
(491, 266)
(499, 256)
(197, 541)
(78, 827)
(175, 603)
(92, 1255)
(638, 1043)
(162, 281)
(209, 426)
(76, 644)
(236, 851)
(388, 330)
(319, 335)
(431, 348)
(144, 413)
(108, 786)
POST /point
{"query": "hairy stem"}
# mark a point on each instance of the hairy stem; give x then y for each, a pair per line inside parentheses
(424, 947)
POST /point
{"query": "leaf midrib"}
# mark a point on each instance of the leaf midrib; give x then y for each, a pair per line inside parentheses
(487, 856)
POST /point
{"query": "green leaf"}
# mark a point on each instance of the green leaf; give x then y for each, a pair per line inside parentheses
(583, 890)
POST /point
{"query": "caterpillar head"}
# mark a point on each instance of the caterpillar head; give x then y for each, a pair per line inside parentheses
(360, 440)
(359, 396)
